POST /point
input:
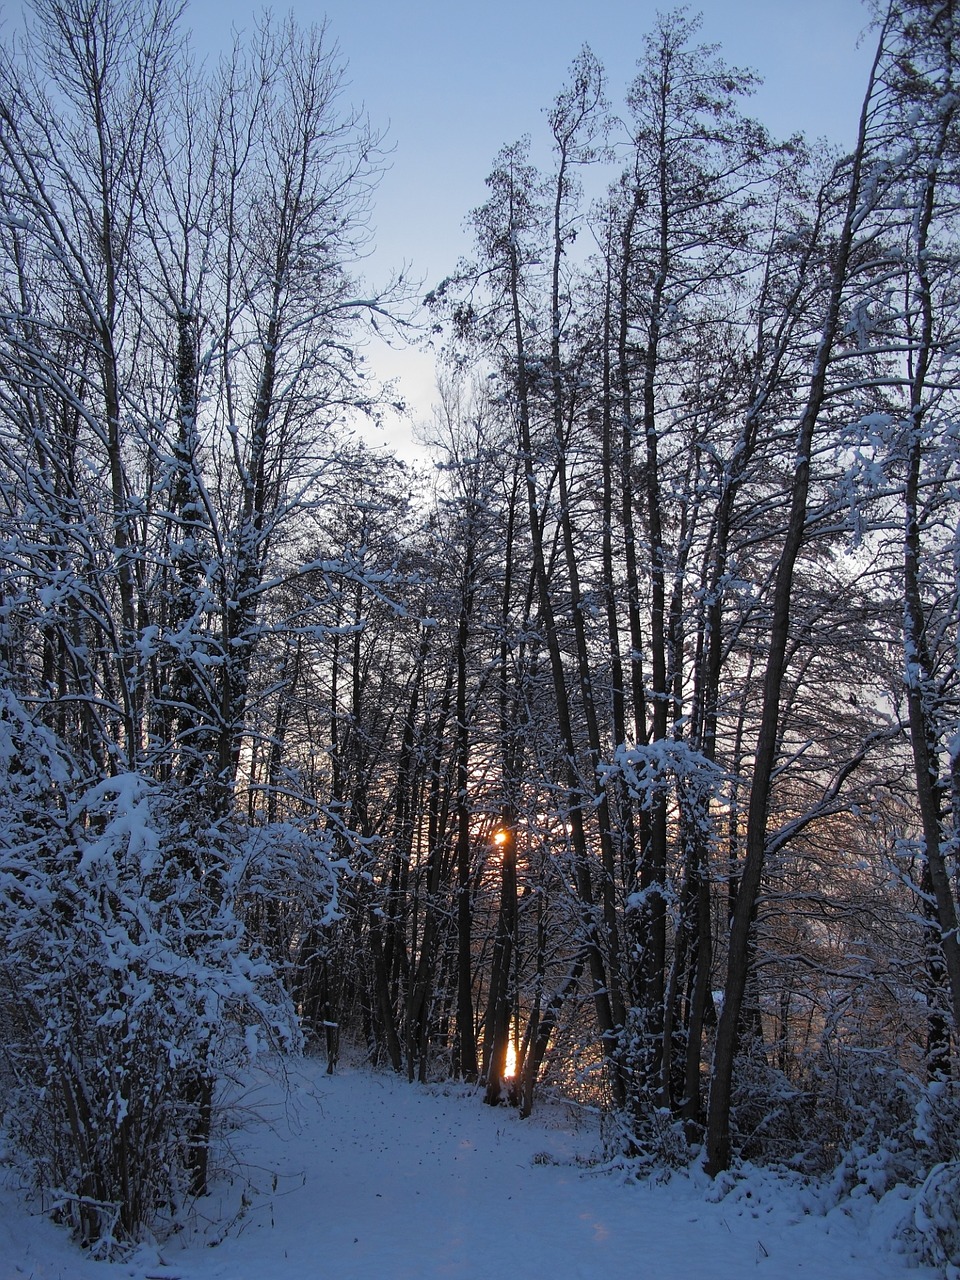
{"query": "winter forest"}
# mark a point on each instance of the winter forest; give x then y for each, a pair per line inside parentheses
(617, 753)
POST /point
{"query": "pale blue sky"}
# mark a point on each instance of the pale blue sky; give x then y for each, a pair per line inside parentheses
(452, 82)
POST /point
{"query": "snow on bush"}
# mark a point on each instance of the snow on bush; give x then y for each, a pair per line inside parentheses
(936, 1218)
(878, 1142)
(128, 984)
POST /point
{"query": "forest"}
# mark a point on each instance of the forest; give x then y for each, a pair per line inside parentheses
(615, 754)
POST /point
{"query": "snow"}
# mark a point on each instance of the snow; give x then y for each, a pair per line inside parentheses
(363, 1175)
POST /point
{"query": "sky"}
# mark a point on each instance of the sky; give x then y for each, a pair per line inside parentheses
(451, 82)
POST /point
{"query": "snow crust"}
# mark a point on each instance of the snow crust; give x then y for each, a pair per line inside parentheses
(362, 1175)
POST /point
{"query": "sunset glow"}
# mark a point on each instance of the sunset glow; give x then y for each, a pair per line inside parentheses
(510, 1069)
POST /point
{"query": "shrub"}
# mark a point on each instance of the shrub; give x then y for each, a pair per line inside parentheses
(128, 985)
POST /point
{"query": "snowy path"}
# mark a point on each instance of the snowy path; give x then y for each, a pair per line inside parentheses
(366, 1176)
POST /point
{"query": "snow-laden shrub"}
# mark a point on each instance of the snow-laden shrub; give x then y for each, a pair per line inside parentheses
(127, 985)
(878, 1133)
(770, 1115)
(925, 1155)
(864, 1134)
(856, 1119)
(289, 888)
(654, 1142)
(933, 1226)
(879, 1126)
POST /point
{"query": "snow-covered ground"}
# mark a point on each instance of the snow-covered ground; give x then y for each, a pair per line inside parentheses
(363, 1175)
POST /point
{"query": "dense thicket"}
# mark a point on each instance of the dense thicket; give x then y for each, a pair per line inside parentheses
(732, 592)
(178, 325)
(625, 756)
